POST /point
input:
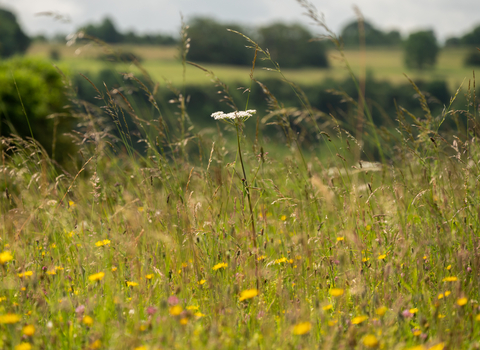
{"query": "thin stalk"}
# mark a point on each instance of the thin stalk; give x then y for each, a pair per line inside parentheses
(247, 190)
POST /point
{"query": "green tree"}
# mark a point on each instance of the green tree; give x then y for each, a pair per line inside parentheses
(105, 31)
(12, 39)
(212, 43)
(421, 49)
(292, 46)
(472, 38)
(373, 36)
(33, 89)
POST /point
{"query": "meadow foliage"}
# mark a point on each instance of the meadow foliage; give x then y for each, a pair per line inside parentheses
(212, 238)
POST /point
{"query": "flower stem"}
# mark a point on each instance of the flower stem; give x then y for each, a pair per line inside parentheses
(247, 190)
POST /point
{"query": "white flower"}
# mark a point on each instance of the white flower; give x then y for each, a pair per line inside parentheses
(244, 115)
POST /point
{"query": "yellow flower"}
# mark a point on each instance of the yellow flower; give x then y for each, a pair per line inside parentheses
(140, 348)
(450, 279)
(365, 259)
(25, 274)
(97, 344)
(440, 296)
(449, 267)
(23, 346)
(439, 346)
(201, 282)
(381, 310)
(283, 217)
(281, 260)
(175, 310)
(87, 320)
(447, 293)
(184, 321)
(339, 239)
(462, 301)
(132, 284)
(327, 307)
(199, 314)
(221, 265)
(477, 318)
(102, 243)
(261, 257)
(149, 276)
(248, 294)
(302, 328)
(441, 316)
(336, 292)
(51, 272)
(418, 347)
(413, 311)
(359, 319)
(5, 257)
(381, 257)
(96, 276)
(192, 307)
(370, 341)
(71, 204)
(9, 319)
(114, 268)
(28, 330)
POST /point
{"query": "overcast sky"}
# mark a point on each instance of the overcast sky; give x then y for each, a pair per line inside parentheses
(446, 17)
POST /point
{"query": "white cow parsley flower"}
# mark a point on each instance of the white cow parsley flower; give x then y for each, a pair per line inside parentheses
(233, 116)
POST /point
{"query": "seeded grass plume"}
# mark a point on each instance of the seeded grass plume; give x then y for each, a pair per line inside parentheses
(182, 247)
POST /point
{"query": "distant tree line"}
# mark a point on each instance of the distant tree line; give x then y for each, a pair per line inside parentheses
(291, 46)
(106, 31)
(12, 38)
(469, 39)
(373, 37)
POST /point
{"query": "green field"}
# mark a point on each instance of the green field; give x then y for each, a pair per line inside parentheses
(215, 239)
(161, 63)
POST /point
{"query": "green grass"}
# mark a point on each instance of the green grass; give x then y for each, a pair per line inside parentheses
(161, 62)
(155, 251)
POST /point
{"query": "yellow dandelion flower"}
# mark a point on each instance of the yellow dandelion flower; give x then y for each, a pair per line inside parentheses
(381, 310)
(59, 268)
(283, 217)
(336, 292)
(25, 274)
(261, 257)
(201, 282)
(29, 330)
(365, 259)
(221, 265)
(51, 272)
(132, 284)
(462, 301)
(439, 346)
(450, 279)
(96, 276)
(114, 268)
(184, 321)
(143, 347)
(440, 296)
(332, 323)
(441, 316)
(248, 294)
(102, 243)
(175, 310)
(359, 319)
(281, 260)
(199, 314)
(368, 227)
(447, 293)
(477, 318)
(382, 256)
(339, 239)
(448, 267)
(149, 276)
(5, 257)
(97, 344)
(9, 319)
(302, 328)
(192, 307)
(370, 341)
(140, 209)
(23, 346)
(413, 311)
(327, 307)
(87, 320)
(417, 332)
(71, 204)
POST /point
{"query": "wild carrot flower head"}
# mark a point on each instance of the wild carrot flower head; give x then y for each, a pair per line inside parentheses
(234, 116)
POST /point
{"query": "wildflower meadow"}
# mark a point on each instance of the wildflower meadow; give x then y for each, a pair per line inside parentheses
(171, 236)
